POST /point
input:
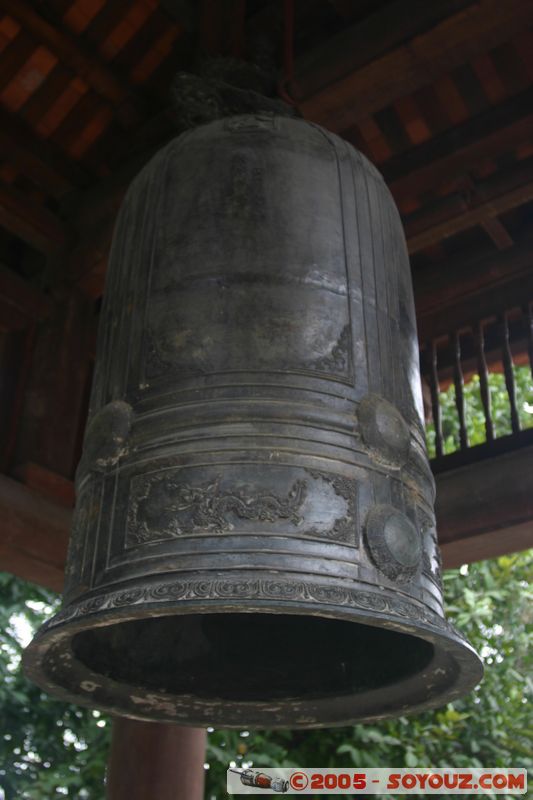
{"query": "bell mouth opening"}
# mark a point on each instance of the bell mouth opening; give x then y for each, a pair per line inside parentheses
(251, 657)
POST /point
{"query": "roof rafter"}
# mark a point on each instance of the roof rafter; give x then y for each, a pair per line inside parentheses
(495, 195)
(20, 302)
(456, 151)
(440, 285)
(38, 159)
(450, 294)
(31, 222)
(365, 41)
(72, 52)
(420, 61)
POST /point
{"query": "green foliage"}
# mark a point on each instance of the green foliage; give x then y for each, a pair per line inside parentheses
(48, 749)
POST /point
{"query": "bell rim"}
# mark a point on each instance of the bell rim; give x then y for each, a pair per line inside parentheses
(188, 710)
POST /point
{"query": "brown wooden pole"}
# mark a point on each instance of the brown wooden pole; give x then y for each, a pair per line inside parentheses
(153, 759)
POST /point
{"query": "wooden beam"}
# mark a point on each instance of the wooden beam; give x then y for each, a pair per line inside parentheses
(33, 223)
(420, 61)
(484, 304)
(458, 150)
(477, 214)
(452, 214)
(454, 294)
(510, 539)
(479, 515)
(34, 537)
(47, 483)
(87, 262)
(56, 397)
(38, 159)
(13, 364)
(182, 11)
(92, 215)
(171, 767)
(440, 287)
(499, 234)
(365, 41)
(221, 24)
(74, 54)
(21, 303)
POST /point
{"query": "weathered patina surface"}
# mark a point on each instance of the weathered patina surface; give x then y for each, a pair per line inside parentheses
(254, 539)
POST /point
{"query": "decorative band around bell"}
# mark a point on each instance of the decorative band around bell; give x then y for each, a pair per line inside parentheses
(440, 665)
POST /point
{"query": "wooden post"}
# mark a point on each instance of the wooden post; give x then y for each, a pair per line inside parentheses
(153, 759)
(55, 396)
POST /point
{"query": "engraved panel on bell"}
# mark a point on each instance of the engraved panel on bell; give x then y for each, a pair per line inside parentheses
(173, 503)
(230, 296)
(251, 327)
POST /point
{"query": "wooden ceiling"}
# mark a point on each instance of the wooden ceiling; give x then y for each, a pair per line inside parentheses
(437, 94)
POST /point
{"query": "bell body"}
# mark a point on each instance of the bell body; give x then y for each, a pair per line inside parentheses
(254, 539)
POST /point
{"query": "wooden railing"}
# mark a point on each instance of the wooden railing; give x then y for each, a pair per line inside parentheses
(499, 345)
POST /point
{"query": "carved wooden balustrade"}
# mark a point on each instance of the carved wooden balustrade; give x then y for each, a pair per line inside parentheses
(501, 344)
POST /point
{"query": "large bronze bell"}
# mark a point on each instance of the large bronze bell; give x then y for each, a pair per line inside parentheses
(254, 539)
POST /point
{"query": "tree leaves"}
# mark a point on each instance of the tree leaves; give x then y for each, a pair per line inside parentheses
(37, 758)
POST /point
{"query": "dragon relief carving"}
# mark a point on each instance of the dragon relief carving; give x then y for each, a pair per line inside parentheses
(163, 507)
(209, 589)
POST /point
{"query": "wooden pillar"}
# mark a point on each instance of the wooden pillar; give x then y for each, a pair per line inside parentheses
(53, 411)
(152, 759)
